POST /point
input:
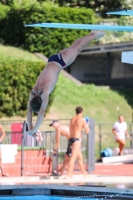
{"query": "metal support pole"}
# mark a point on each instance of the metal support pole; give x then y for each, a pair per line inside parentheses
(130, 135)
(54, 158)
(91, 146)
(108, 66)
(100, 141)
(22, 149)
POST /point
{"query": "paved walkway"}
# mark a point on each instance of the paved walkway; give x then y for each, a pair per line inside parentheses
(116, 169)
(108, 180)
(118, 175)
(100, 179)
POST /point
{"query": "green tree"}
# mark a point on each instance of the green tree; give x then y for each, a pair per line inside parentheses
(100, 6)
(47, 41)
(6, 2)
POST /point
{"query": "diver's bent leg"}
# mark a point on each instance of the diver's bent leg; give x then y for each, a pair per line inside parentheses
(70, 54)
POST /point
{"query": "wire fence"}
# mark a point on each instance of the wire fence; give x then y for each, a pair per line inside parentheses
(36, 157)
(104, 138)
(41, 152)
(103, 135)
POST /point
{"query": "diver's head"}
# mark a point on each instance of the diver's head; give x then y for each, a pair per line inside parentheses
(36, 104)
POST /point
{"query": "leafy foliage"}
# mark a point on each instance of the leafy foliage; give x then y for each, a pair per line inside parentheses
(100, 6)
(7, 2)
(3, 11)
(18, 73)
(47, 41)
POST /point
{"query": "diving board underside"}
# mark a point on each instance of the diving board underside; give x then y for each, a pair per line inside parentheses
(115, 159)
(121, 12)
(82, 26)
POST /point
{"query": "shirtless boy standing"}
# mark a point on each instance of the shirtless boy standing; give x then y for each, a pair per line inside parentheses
(64, 130)
(77, 123)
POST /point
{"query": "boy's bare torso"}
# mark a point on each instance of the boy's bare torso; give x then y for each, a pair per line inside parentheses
(64, 130)
(76, 125)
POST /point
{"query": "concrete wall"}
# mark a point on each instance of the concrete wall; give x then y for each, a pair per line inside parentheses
(89, 67)
(102, 69)
(119, 69)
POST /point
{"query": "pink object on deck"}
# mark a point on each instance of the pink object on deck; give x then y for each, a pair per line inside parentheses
(16, 136)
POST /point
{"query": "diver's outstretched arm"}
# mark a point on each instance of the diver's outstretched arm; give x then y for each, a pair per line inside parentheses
(29, 116)
(40, 115)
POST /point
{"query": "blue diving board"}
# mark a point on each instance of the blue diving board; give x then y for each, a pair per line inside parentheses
(121, 12)
(82, 26)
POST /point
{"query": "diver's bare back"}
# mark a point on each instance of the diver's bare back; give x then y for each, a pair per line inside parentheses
(76, 125)
(48, 78)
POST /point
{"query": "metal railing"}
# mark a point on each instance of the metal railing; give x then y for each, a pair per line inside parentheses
(42, 152)
(36, 157)
(30, 150)
(104, 138)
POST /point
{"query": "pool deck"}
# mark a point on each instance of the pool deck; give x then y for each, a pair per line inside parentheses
(114, 181)
(104, 179)
(97, 185)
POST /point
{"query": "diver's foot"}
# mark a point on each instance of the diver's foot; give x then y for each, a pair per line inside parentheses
(97, 34)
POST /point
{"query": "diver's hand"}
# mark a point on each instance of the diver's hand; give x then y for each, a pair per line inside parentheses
(32, 133)
(38, 136)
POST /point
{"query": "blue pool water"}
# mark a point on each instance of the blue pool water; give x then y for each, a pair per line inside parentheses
(45, 197)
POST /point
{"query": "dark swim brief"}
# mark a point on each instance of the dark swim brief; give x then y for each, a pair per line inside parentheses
(70, 143)
(57, 58)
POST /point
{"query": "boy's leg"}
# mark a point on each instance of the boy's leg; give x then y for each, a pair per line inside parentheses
(1, 165)
(75, 152)
(121, 145)
(70, 54)
(65, 163)
(80, 162)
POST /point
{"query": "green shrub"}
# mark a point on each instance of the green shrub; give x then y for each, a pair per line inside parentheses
(3, 11)
(30, 148)
(17, 79)
(18, 74)
(45, 40)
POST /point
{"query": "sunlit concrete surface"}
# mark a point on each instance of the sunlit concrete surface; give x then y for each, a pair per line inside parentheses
(91, 186)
